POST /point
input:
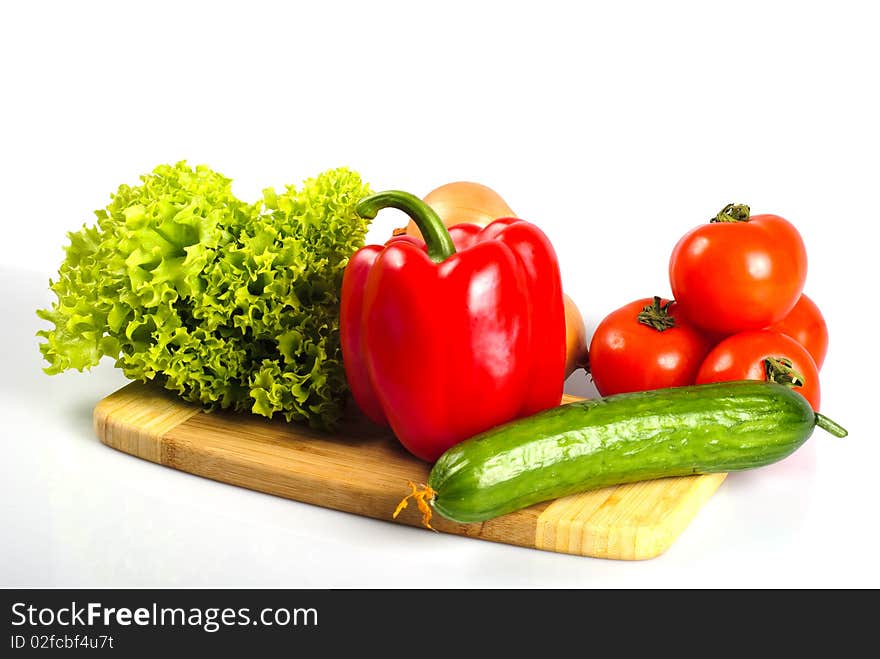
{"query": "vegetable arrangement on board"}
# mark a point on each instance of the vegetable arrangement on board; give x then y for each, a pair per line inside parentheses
(455, 333)
(711, 381)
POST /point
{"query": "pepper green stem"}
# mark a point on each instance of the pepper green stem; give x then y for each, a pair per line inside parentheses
(830, 426)
(437, 238)
(733, 213)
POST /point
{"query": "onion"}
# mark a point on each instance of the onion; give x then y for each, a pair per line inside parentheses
(462, 202)
(576, 350)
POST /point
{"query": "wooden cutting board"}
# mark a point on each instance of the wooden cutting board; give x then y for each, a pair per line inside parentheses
(362, 469)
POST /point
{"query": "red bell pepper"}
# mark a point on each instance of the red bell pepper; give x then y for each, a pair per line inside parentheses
(446, 338)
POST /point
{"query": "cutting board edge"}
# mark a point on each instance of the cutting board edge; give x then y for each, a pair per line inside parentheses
(116, 417)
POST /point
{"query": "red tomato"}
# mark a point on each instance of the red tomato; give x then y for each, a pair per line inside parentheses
(629, 354)
(806, 325)
(744, 356)
(734, 275)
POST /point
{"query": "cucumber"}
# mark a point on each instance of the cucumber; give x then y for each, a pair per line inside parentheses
(699, 429)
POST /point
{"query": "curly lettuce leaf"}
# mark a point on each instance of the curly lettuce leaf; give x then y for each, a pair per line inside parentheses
(230, 305)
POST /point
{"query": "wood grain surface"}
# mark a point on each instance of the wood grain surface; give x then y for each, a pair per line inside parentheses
(362, 469)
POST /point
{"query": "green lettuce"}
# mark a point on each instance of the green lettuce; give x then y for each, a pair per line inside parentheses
(228, 304)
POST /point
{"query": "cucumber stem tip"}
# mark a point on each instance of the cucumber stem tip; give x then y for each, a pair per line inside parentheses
(830, 426)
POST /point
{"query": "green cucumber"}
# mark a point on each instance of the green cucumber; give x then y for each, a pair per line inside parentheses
(700, 429)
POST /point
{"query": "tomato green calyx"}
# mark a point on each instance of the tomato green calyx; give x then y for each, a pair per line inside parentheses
(781, 371)
(437, 238)
(656, 315)
(733, 213)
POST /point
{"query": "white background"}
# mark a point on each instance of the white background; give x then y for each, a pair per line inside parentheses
(614, 126)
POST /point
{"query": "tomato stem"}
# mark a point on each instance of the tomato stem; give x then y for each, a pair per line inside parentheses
(656, 315)
(781, 371)
(733, 213)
